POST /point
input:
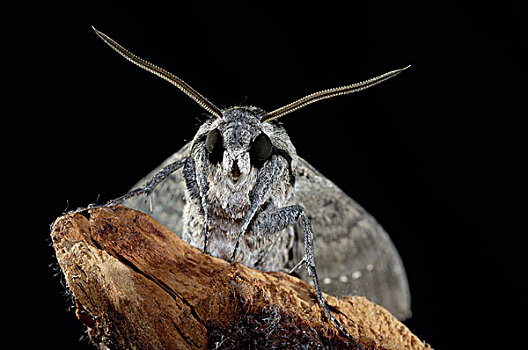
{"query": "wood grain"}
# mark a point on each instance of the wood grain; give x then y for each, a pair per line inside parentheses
(137, 285)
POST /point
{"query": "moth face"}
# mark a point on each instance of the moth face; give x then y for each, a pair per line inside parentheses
(237, 145)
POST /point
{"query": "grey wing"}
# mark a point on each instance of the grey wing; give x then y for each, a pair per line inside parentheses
(168, 198)
(353, 254)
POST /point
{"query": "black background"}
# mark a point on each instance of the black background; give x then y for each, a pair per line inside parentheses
(434, 154)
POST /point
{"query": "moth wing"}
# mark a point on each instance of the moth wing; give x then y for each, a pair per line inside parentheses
(168, 198)
(353, 253)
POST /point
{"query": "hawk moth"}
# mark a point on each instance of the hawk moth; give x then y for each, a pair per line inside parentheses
(239, 191)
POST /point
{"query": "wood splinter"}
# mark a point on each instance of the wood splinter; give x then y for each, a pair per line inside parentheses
(137, 285)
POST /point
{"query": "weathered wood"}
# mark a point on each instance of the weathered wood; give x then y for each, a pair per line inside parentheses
(139, 286)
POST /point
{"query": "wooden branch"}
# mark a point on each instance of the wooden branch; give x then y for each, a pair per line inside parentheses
(137, 285)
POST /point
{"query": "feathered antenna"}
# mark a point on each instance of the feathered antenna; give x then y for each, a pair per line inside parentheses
(162, 73)
(321, 95)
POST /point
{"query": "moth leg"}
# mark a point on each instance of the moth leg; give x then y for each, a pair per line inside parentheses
(197, 185)
(145, 189)
(151, 184)
(267, 178)
(249, 216)
(273, 222)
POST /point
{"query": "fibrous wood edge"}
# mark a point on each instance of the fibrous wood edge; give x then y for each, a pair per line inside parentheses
(137, 285)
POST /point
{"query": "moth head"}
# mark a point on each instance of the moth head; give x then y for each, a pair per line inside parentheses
(239, 142)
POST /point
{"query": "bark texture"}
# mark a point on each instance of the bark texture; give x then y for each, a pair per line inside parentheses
(137, 285)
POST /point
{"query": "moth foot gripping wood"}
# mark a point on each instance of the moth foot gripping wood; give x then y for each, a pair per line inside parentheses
(137, 285)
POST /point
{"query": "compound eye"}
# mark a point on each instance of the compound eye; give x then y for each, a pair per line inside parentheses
(213, 145)
(261, 148)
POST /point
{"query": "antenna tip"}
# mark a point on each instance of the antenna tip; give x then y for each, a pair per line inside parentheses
(96, 31)
(404, 68)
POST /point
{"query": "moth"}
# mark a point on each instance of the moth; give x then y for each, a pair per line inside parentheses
(239, 191)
